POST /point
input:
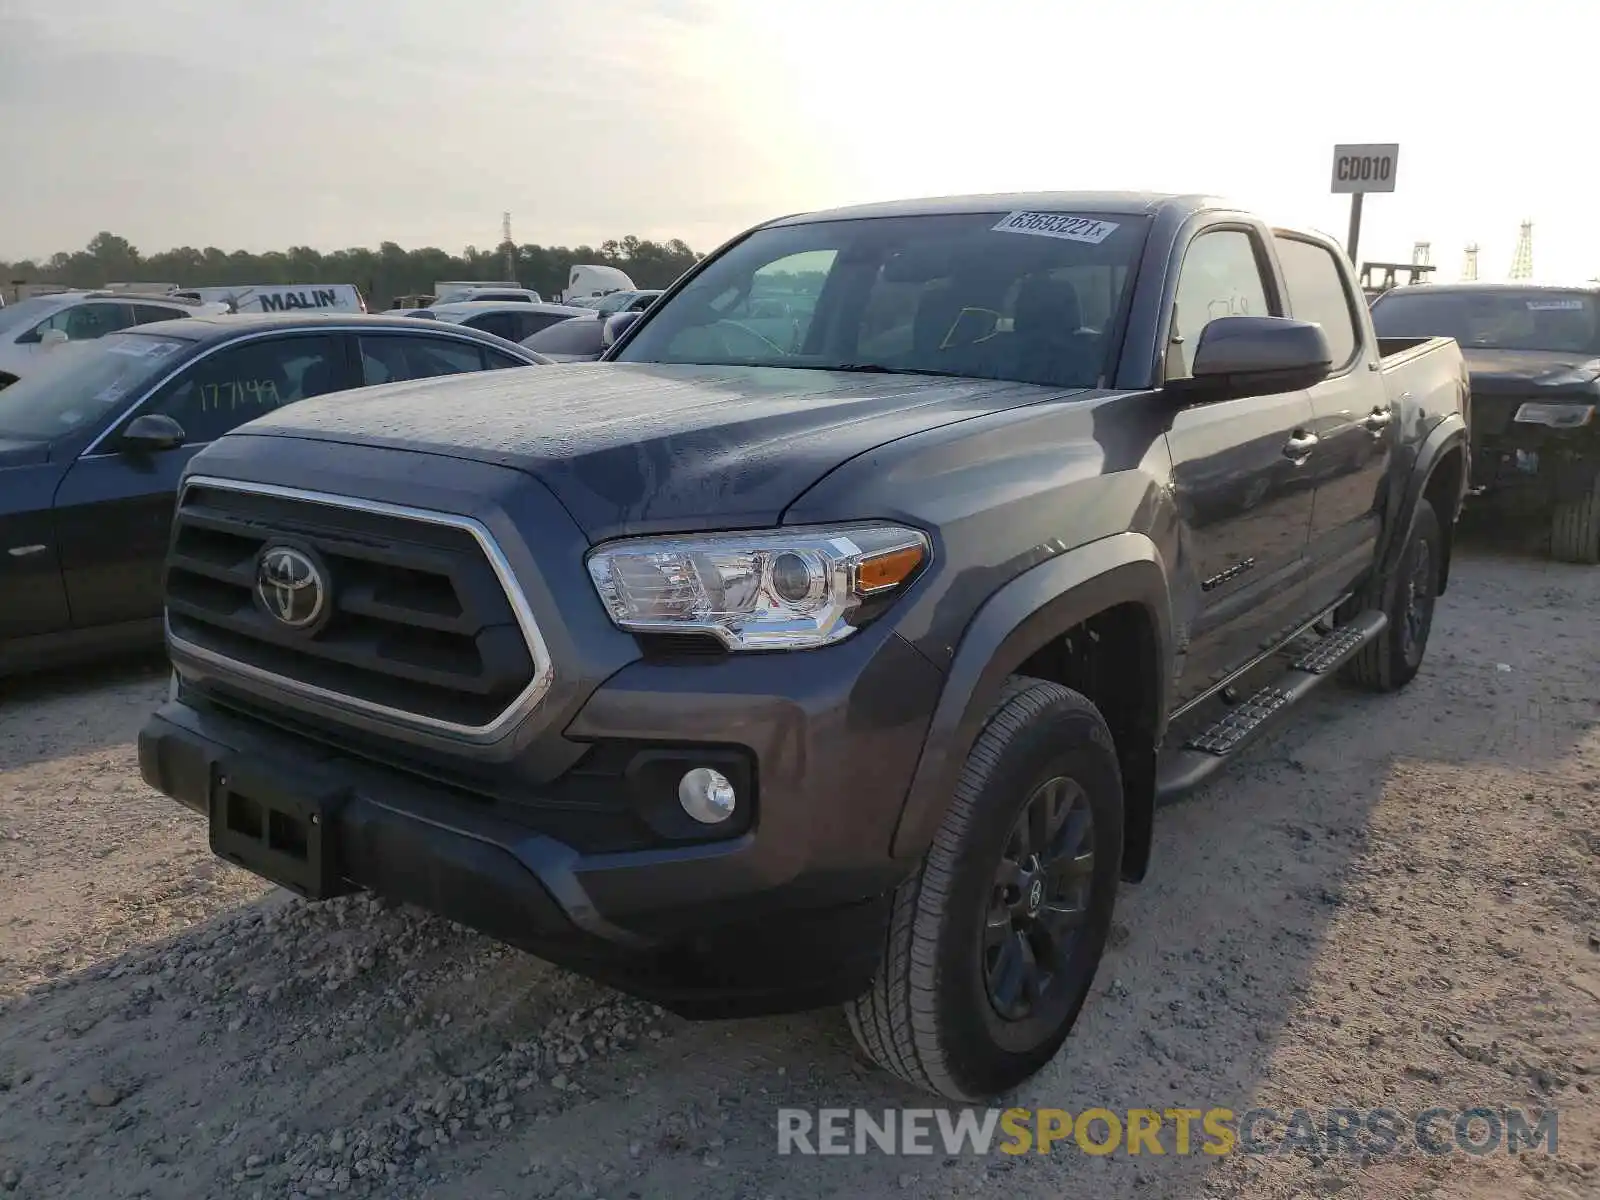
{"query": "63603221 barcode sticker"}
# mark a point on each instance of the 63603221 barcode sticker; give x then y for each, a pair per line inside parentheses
(1555, 305)
(1058, 225)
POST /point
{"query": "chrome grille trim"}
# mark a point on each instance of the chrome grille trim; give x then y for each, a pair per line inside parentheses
(526, 701)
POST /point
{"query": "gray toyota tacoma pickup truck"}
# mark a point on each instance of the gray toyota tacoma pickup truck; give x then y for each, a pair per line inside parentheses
(835, 638)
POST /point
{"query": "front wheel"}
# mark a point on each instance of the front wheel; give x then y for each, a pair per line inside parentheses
(1575, 529)
(993, 943)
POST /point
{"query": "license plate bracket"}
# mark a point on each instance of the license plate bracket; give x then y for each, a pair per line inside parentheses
(279, 828)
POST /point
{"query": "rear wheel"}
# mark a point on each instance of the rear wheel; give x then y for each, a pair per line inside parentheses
(994, 942)
(1391, 660)
(1575, 529)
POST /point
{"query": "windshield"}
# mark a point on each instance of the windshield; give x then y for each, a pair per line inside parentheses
(26, 313)
(1031, 297)
(575, 335)
(1509, 319)
(81, 382)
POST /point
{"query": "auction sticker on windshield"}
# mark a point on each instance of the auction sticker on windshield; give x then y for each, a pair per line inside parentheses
(1555, 305)
(142, 347)
(1058, 225)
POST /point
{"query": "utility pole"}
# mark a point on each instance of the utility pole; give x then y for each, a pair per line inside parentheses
(508, 248)
(1522, 260)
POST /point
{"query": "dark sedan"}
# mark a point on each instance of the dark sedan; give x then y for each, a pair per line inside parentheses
(92, 447)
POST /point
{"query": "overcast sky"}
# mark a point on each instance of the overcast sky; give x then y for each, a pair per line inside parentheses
(335, 123)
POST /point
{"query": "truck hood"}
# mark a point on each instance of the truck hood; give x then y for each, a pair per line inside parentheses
(637, 447)
(1531, 373)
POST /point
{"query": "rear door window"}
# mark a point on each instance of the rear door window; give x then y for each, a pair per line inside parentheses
(1317, 292)
(391, 358)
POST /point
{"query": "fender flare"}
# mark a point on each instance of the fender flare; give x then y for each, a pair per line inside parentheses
(1026, 614)
(1448, 434)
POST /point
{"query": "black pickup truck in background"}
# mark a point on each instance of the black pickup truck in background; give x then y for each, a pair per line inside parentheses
(833, 656)
(1534, 357)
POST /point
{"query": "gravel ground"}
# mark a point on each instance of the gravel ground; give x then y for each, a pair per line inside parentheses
(1393, 902)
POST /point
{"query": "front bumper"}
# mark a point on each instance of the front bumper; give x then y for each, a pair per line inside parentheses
(789, 914)
(1537, 465)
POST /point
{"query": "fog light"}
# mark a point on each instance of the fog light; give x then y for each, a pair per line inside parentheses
(706, 795)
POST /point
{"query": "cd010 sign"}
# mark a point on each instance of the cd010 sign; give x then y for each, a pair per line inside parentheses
(1365, 168)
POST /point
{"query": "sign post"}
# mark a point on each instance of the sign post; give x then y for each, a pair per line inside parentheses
(1359, 169)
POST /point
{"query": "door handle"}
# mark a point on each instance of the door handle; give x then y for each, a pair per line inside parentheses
(1300, 445)
(1377, 419)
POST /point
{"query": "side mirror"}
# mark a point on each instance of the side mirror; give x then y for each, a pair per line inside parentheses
(151, 434)
(51, 338)
(1255, 356)
(616, 325)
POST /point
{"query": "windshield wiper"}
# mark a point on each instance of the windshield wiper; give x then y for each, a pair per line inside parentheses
(881, 369)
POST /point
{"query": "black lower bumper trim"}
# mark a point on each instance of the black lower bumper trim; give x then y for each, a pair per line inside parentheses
(300, 816)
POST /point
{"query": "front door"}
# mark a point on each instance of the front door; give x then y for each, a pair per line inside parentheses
(1355, 435)
(1239, 474)
(114, 510)
(32, 599)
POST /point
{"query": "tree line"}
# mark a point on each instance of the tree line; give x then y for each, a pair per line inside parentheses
(381, 274)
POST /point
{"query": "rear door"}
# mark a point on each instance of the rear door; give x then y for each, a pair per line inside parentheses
(1351, 419)
(114, 510)
(1240, 474)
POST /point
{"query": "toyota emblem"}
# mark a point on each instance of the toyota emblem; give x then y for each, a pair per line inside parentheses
(290, 586)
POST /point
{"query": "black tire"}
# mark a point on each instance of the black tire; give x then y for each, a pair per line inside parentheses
(929, 1017)
(1575, 530)
(1391, 660)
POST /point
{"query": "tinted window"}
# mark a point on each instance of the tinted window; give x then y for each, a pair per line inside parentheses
(1317, 292)
(394, 357)
(78, 386)
(498, 361)
(239, 383)
(1220, 277)
(1503, 319)
(533, 322)
(1019, 296)
(144, 314)
(85, 322)
(500, 324)
(575, 335)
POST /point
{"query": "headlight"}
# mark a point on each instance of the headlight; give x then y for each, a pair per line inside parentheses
(1557, 416)
(782, 589)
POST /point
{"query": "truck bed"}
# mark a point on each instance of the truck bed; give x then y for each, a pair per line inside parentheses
(1393, 350)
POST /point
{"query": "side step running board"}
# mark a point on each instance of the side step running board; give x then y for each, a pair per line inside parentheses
(1205, 753)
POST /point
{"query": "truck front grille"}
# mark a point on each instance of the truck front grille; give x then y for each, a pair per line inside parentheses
(1491, 415)
(420, 623)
